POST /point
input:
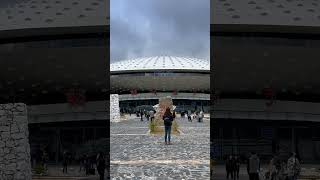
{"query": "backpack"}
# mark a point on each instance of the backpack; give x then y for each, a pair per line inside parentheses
(167, 120)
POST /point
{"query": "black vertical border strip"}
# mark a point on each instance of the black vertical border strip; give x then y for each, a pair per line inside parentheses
(238, 30)
(212, 91)
(212, 124)
(107, 58)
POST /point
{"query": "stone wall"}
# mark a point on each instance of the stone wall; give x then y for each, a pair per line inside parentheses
(14, 143)
(114, 108)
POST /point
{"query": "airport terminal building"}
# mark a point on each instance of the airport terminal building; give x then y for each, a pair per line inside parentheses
(266, 84)
(141, 82)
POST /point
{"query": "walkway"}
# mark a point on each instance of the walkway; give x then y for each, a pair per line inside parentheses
(55, 172)
(137, 155)
(308, 170)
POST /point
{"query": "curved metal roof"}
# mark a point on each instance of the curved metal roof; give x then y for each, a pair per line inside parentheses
(271, 12)
(161, 63)
(53, 13)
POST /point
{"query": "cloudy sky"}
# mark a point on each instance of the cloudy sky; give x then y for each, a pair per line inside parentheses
(142, 28)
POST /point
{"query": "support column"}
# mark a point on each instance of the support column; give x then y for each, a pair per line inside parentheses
(293, 141)
(94, 135)
(83, 135)
(57, 145)
(234, 141)
(221, 143)
(14, 142)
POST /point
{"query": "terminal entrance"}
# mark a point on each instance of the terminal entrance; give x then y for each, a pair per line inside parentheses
(73, 137)
(241, 137)
(182, 105)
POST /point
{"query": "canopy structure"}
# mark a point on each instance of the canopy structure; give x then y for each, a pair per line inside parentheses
(160, 73)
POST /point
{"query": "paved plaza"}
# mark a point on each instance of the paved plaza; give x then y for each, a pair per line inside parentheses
(308, 172)
(135, 154)
(219, 173)
(55, 172)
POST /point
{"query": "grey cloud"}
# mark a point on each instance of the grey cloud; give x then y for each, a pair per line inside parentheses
(123, 39)
(177, 27)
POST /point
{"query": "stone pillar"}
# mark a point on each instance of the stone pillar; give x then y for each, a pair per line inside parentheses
(114, 108)
(14, 142)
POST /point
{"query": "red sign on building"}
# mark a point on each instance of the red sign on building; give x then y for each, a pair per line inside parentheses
(76, 97)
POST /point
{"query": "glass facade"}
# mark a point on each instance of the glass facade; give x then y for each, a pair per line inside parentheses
(160, 74)
(181, 105)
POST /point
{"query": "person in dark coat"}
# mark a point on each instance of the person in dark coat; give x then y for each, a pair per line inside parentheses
(86, 164)
(189, 115)
(236, 167)
(101, 165)
(230, 167)
(141, 115)
(168, 117)
(82, 164)
(254, 166)
(65, 162)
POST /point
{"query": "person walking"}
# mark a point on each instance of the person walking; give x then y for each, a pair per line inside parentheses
(44, 159)
(274, 168)
(189, 116)
(236, 167)
(254, 166)
(151, 115)
(201, 114)
(65, 162)
(198, 116)
(87, 164)
(168, 117)
(293, 166)
(283, 172)
(147, 115)
(229, 167)
(81, 163)
(141, 115)
(101, 165)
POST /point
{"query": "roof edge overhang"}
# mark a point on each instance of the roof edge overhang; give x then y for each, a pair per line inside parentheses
(160, 71)
(38, 34)
(270, 30)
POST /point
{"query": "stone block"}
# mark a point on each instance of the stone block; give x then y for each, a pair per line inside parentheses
(9, 144)
(4, 128)
(9, 156)
(114, 108)
(5, 135)
(18, 136)
(20, 150)
(11, 167)
(14, 147)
